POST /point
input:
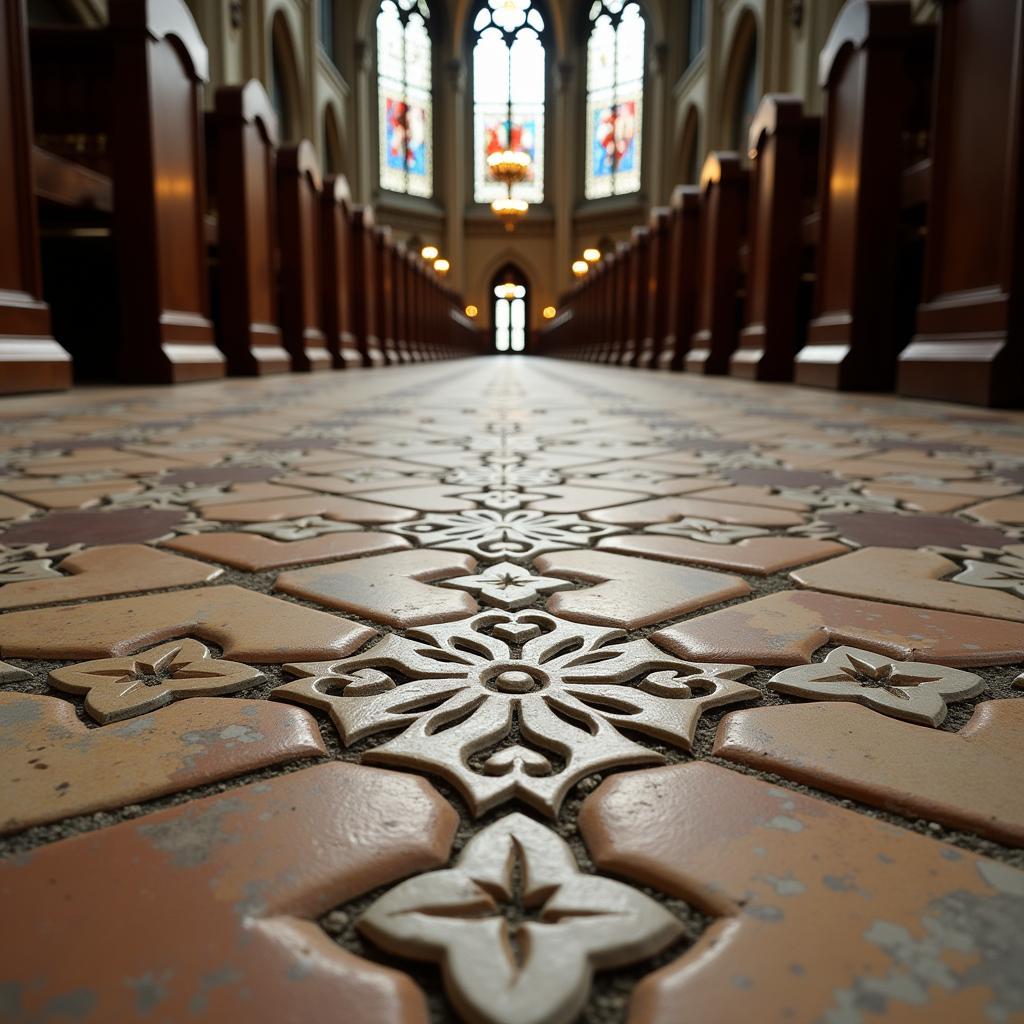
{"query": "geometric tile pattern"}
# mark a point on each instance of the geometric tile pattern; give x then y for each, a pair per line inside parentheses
(267, 647)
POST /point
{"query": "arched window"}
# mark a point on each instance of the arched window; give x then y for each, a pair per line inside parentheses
(508, 68)
(615, 98)
(404, 97)
(510, 291)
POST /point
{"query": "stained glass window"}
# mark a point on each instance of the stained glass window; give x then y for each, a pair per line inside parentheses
(404, 97)
(615, 98)
(508, 66)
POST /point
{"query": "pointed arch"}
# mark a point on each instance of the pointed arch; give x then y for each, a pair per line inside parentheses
(741, 89)
(285, 88)
(333, 148)
(689, 161)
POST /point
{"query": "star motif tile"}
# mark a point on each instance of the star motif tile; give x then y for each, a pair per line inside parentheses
(507, 585)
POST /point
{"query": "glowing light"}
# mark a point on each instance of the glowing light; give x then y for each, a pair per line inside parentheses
(442, 266)
(430, 253)
(510, 291)
(581, 268)
(592, 255)
(549, 313)
(472, 311)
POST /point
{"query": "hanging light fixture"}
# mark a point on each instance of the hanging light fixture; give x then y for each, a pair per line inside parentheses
(509, 166)
(510, 211)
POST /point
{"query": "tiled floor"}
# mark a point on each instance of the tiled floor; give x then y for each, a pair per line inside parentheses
(512, 692)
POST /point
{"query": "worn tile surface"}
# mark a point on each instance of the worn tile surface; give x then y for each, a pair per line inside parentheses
(511, 607)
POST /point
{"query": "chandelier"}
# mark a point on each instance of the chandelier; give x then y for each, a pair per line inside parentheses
(510, 211)
(510, 166)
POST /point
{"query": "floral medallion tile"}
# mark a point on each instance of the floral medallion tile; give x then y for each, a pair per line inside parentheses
(486, 534)
(459, 694)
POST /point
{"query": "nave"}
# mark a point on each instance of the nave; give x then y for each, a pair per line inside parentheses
(509, 690)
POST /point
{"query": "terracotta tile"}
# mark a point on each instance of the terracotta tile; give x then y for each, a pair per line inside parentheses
(764, 497)
(583, 499)
(71, 496)
(348, 509)
(787, 628)
(1007, 511)
(781, 478)
(888, 530)
(221, 475)
(907, 577)
(196, 935)
(10, 674)
(111, 569)
(253, 553)
(665, 510)
(422, 498)
(11, 508)
(958, 779)
(759, 556)
(632, 592)
(917, 500)
(874, 466)
(246, 625)
(54, 767)
(353, 476)
(648, 481)
(392, 589)
(122, 463)
(819, 912)
(536, 702)
(116, 526)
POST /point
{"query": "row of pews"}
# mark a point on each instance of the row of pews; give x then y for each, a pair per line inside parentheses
(147, 240)
(878, 247)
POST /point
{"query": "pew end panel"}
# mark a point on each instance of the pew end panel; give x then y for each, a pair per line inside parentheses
(682, 293)
(363, 289)
(784, 160)
(244, 143)
(30, 357)
(969, 340)
(723, 208)
(336, 208)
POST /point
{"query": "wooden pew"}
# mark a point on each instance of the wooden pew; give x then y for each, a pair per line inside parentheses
(243, 151)
(336, 227)
(299, 229)
(363, 287)
(636, 302)
(969, 345)
(620, 307)
(723, 210)
(783, 184)
(684, 242)
(385, 292)
(658, 287)
(414, 274)
(876, 70)
(400, 299)
(30, 358)
(126, 101)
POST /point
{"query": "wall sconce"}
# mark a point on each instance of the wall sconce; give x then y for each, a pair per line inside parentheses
(442, 266)
(592, 255)
(581, 268)
(549, 313)
(430, 253)
(472, 311)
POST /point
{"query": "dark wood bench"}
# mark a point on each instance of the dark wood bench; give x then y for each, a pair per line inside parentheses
(244, 191)
(336, 211)
(299, 231)
(30, 358)
(658, 287)
(784, 145)
(125, 103)
(876, 72)
(969, 342)
(723, 216)
(684, 242)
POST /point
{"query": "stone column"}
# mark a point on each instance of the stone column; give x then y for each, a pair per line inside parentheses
(366, 123)
(561, 186)
(450, 167)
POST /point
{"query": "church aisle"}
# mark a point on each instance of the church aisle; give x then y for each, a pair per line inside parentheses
(510, 691)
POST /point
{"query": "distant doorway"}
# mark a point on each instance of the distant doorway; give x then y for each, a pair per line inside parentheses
(511, 309)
